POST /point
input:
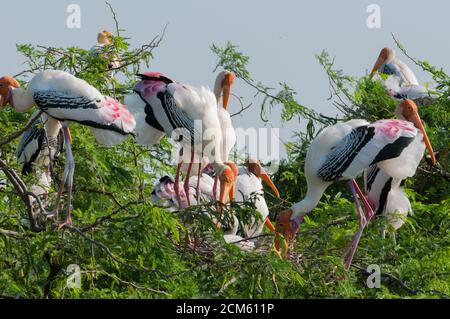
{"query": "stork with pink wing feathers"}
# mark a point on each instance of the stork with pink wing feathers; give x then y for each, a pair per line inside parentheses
(343, 151)
(189, 116)
(67, 98)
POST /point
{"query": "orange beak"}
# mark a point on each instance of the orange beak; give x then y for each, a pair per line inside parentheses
(266, 179)
(269, 225)
(70, 136)
(415, 118)
(226, 185)
(376, 67)
(226, 88)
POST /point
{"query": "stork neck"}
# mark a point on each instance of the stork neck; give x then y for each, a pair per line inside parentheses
(308, 203)
(406, 73)
(21, 99)
(218, 91)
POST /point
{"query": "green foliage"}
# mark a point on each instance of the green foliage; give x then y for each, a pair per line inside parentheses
(128, 248)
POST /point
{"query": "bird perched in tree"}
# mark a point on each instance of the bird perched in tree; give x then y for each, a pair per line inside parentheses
(39, 146)
(387, 198)
(343, 151)
(104, 39)
(66, 98)
(401, 82)
(189, 116)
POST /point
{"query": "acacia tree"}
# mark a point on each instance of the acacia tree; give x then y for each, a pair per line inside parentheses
(127, 247)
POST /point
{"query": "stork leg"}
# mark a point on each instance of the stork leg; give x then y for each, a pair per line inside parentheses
(197, 189)
(67, 176)
(176, 187)
(216, 182)
(362, 224)
(188, 175)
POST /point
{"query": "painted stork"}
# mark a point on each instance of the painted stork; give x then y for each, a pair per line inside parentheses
(343, 151)
(104, 38)
(249, 186)
(39, 146)
(222, 89)
(189, 116)
(387, 198)
(66, 98)
(401, 82)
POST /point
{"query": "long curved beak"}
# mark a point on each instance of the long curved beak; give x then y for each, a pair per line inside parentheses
(269, 225)
(376, 67)
(226, 89)
(70, 136)
(415, 118)
(266, 179)
(226, 185)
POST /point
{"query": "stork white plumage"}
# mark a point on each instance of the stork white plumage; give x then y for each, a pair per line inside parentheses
(343, 151)
(249, 186)
(189, 116)
(66, 98)
(401, 82)
(104, 39)
(222, 89)
(37, 149)
(387, 198)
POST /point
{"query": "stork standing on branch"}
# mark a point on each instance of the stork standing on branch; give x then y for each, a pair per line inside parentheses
(343, 151)
(65, 98)
(189, 116)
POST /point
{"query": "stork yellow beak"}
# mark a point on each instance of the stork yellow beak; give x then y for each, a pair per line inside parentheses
(415, 118)
(70, 136)
(266, 179)
(226, 88)
(376, 67)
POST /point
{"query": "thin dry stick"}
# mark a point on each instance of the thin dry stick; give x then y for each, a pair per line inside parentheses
(15, 135)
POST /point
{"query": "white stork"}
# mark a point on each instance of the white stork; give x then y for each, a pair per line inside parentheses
(343, 151)
(66, 98)
(189, 116)
(401, 82)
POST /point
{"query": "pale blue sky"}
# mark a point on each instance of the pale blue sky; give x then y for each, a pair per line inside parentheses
(281, 37)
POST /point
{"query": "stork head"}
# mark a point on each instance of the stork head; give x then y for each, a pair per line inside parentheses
(254, 167)
(6, 83)
(286, 226)
(222, 87)
(408, 110)
(386, 55)
(104, 37)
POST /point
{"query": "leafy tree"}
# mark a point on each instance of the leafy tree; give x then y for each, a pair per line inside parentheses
(127, 247)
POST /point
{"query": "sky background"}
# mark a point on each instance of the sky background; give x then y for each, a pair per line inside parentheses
(281, 37)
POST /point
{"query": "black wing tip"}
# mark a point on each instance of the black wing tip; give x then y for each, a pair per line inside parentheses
(154, 78)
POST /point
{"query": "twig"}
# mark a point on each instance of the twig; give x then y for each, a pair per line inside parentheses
(404, 286)
(129, 283)
(101, 219)
(114, 17)
(15, 135)
(116, 259)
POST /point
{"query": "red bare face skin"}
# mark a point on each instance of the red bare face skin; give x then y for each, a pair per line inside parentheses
(284, 225)
(6, 83)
